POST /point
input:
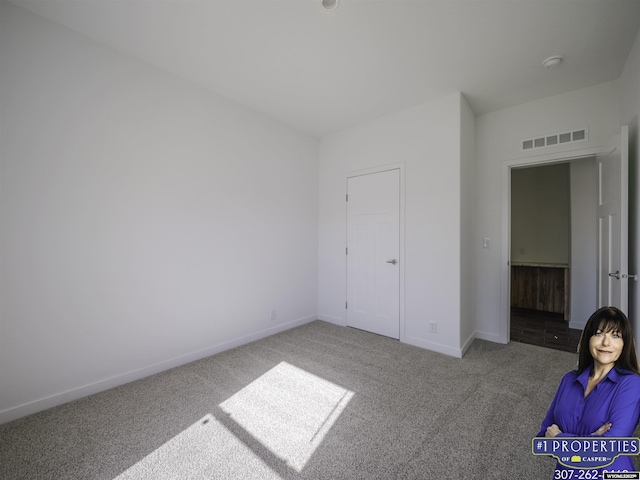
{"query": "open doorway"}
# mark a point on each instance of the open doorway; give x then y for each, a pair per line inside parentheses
(552, 252)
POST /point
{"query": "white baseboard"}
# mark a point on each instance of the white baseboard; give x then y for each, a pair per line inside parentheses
(490, 337)
(436, 347)
(467, 344)
(577, 325)
(117, 380)
(331, 319)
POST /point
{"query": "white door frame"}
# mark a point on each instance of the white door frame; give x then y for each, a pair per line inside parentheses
(505, 254)
(384, 168)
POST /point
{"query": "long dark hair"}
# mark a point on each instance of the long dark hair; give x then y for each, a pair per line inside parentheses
(609, 319)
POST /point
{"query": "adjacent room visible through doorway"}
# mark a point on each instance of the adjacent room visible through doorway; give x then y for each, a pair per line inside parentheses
(551, 217)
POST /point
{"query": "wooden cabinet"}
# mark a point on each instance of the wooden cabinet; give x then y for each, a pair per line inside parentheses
(540, 287)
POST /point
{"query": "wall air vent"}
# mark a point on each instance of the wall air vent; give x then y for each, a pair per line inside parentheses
(554, 139)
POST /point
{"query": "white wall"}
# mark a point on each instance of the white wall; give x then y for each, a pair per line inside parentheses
(427, 140)
(498, 139)
(629, 113)
(145, 222)
(584, 248)
(540, 214)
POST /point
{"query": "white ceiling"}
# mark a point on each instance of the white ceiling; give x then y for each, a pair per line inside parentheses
(322, 71)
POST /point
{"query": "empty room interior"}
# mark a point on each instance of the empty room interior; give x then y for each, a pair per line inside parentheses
(340, 216)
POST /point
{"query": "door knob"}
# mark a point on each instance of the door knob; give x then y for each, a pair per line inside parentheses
(392, 261)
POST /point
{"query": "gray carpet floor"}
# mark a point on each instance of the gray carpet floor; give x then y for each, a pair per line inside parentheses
(315, 402)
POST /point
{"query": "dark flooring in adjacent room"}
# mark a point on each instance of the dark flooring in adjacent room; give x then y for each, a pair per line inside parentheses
(544, 329)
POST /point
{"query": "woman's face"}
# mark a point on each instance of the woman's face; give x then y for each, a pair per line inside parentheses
(606, 347)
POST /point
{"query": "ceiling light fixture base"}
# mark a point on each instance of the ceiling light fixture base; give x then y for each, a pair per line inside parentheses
(329, 5)
(553, 62)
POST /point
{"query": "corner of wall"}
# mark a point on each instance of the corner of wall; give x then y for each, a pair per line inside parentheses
(467, 227)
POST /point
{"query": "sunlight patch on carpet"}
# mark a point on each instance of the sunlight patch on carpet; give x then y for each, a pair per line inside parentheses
(206, 449)
(289, 411)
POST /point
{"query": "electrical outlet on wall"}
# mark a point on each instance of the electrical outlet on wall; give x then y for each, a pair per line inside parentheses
(433, 326)
(274, 314)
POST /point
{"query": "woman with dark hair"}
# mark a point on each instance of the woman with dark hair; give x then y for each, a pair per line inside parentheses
(601, 397)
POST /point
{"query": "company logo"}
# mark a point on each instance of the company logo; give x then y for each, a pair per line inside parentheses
(591, 452)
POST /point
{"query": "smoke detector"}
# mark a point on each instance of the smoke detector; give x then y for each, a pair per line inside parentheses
(553, 62)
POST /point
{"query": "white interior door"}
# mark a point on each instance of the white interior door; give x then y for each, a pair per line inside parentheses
(613, 223)
(373, 248)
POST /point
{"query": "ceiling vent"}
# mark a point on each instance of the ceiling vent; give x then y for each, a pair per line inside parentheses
(555, 139)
